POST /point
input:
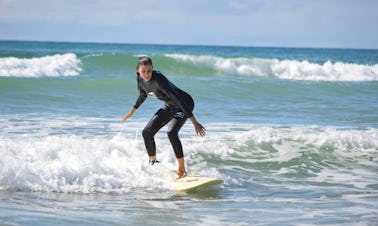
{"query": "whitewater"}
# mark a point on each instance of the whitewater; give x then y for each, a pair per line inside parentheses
(284, 69)
(292, 132)
(51, 66)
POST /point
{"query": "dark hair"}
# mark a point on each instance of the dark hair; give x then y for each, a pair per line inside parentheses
(144, 60)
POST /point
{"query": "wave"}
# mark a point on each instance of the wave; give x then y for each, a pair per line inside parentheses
(48, 66)
(58, 157)
(283, 69)
(69, 64)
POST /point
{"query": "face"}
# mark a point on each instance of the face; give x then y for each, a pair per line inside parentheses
(145, 71)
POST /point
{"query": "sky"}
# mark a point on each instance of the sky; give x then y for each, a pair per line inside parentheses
(278, 23)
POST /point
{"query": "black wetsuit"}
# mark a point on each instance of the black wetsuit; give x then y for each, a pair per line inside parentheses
(178, 107)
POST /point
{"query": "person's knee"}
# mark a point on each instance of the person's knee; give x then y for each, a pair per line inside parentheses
(172, 134)
(146, 133)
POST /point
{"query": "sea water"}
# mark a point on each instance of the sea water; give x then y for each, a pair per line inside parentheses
(293, 133)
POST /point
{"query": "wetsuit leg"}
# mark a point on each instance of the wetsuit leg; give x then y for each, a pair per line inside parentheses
(174, 127)
(160, 119)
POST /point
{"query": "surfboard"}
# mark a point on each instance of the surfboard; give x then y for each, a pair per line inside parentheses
(192, 182)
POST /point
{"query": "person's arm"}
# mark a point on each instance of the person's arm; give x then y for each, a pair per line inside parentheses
(172, 93)
(166, 87)
(142, 97)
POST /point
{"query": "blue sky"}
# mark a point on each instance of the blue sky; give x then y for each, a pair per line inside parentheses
(282, 23)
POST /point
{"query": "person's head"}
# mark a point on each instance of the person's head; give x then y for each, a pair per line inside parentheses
(144, 68)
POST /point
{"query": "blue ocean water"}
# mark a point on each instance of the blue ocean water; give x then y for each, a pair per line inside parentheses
(293, 132)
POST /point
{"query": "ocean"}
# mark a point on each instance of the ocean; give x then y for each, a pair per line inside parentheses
(293, 132)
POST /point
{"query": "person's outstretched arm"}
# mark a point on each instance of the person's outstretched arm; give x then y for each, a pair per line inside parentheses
(129, 114)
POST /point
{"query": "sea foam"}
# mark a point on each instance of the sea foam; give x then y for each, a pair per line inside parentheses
(284, 69)
(76, 164)
(48, 66)
(75, 161)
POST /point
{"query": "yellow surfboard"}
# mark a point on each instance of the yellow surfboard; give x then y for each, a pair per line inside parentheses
(191, 182)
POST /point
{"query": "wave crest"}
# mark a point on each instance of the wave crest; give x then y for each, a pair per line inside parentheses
(284, 69)
(48, 66)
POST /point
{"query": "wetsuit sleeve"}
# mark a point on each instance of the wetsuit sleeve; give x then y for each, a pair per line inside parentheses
(171, 92)
(142, 96)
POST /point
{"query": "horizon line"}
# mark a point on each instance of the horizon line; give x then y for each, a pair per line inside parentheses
(184, 44)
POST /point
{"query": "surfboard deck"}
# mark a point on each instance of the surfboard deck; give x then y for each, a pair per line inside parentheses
(192, 182)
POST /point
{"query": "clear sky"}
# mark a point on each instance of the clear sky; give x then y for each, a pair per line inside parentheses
(282, 23)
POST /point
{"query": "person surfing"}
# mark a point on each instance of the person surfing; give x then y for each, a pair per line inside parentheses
(177, 108)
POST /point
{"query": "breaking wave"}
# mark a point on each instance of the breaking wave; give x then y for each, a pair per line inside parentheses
(69, 64)
(283, 69)
(48, 66)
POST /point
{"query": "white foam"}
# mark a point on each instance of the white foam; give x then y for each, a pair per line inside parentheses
(346, 142)
(291, 149)
(55, 156)
(329, 71)
(48, 66)
(74, 164)
(284, 69)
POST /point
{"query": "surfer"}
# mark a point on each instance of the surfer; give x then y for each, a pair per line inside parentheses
(178, 107)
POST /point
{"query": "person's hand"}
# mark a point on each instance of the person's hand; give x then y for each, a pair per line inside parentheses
(200, 130)
(125, 117)
(128, 115)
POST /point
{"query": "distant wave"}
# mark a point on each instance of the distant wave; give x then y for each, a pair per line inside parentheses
(48, 66)
(283, 69)
(69, 64)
